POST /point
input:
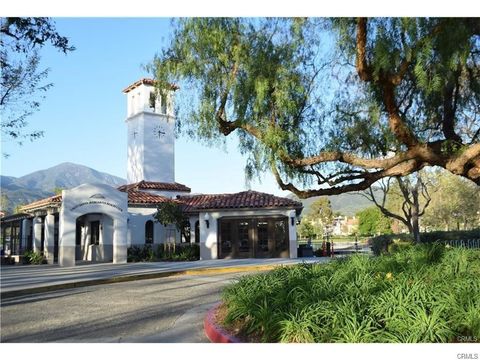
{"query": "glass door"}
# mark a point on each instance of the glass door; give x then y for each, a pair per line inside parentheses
(226, 240)
(244, 243)
(261, 246)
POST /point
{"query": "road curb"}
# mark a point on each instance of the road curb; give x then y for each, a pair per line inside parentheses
(214, 332)
(125, 278)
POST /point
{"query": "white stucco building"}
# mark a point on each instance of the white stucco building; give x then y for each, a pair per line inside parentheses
(96, 222)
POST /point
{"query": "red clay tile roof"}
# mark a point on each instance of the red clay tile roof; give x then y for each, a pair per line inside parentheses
(246, 199)
(56, 199)
(146, 81)
(150, 185)
(242, 200)
(15, 217)
(141, 197)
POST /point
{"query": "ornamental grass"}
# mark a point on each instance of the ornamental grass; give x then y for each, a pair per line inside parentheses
(418, 294)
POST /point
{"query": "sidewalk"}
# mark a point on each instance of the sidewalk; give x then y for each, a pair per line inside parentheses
(19, 280)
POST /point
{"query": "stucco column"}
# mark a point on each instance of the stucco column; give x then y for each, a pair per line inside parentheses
(49, 236)
(208, 236)
(37, 234)
(66, 241)
(193, 220)
(292, 233)
(26, 223)
(120, 241)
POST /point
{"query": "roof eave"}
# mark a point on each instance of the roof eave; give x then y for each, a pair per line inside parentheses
(197, 210)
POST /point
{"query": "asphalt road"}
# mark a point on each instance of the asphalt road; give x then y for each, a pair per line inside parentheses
(165, 310)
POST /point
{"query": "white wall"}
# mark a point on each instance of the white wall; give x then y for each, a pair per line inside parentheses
(136, 227)
(209, 236)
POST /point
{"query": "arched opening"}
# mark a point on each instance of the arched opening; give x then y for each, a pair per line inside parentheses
(197, 232)
(149, 232)
(94, 238)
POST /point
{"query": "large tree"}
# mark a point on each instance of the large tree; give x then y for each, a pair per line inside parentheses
(455, 203)
(371, 221)
(332, 105)
(404, 199)
(23, 83)
(318, 218)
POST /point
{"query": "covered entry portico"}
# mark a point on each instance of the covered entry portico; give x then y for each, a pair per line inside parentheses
(87, 223)
(94, 238)
(93, 224)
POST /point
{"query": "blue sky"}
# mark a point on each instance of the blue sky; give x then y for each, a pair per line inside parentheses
(83, 114)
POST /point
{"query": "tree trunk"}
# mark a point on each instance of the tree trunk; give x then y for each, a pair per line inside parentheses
(415, 228)
(414, 218)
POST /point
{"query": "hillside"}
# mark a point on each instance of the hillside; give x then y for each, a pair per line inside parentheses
(346, 204)
(42, 183)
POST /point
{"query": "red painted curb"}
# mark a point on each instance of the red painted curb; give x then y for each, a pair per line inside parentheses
(214, 332)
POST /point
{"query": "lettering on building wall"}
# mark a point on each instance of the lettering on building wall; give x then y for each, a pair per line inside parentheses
(93, 202)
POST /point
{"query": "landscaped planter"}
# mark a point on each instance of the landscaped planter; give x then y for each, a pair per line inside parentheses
(214, 332)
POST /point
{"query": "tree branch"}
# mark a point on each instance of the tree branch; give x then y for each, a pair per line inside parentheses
(364, 70)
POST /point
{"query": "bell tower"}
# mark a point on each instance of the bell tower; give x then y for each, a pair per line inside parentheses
(151, 139)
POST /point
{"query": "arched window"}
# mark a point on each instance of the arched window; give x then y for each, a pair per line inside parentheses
(149, 232)
(197, 232)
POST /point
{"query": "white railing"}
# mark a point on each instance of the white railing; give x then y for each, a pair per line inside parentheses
(469, 244)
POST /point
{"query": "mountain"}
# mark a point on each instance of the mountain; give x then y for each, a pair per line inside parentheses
(42, 183)
(346, 204)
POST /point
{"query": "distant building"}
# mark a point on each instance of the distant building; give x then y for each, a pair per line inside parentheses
(97, 222)
(345, 225)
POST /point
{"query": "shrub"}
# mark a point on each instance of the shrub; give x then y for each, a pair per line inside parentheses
(436, 236)
(399, 245)
(160, 252)
(34, 258)
(417, 293)
(7, 260)
(188, 252)
(138, 253)
(380, 244)
(434, 252)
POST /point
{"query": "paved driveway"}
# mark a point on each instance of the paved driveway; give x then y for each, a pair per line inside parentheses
(168, 309)
(15, 278)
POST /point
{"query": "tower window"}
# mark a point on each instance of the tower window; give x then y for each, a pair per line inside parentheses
(152, 100)
(164, 103)
(149, 232)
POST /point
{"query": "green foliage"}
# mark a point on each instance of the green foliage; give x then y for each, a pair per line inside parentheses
(318, 217)
(306, 229)
(380, 244)
(371, 221)
(450, 235)
(163, 252)
(434, 252)
(395, 246)
(289, 89)
(33, 257)
(416, 294)
(171, 212)
(138, 253)
(458, 210)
